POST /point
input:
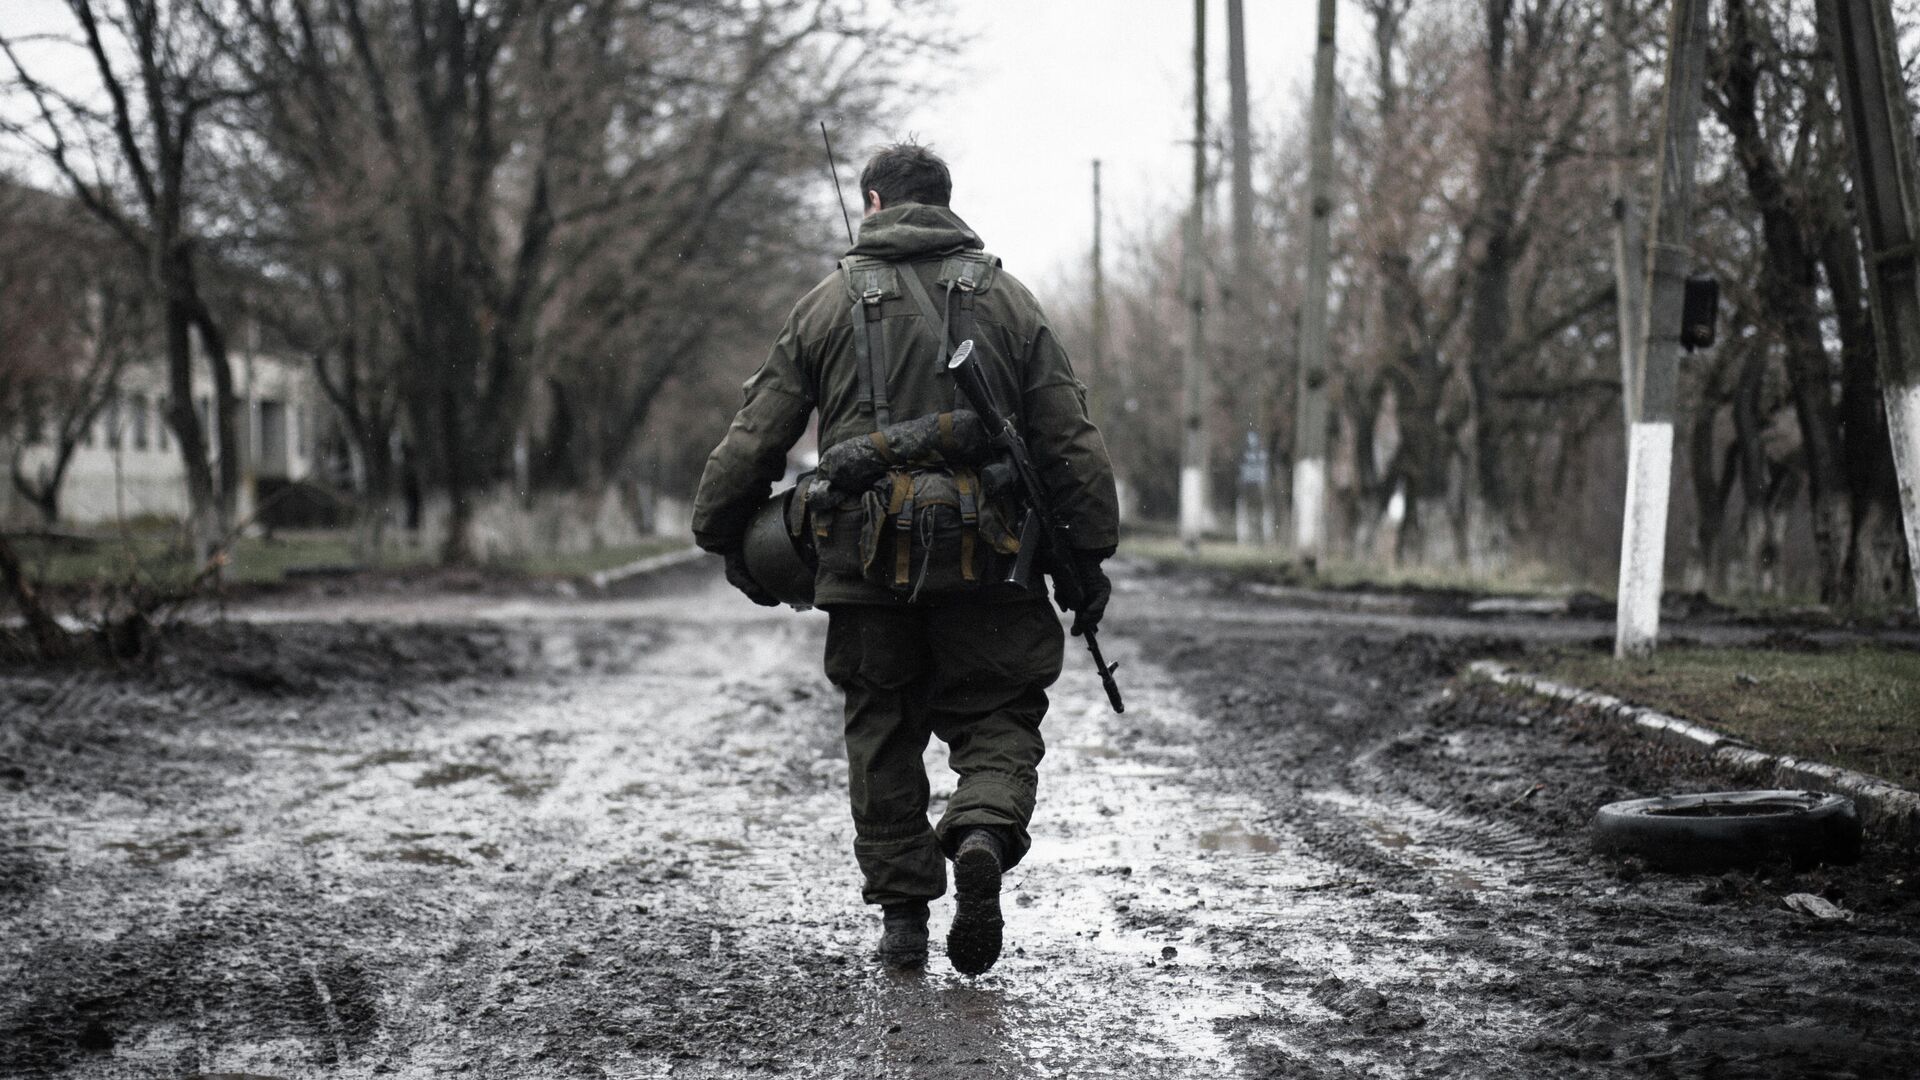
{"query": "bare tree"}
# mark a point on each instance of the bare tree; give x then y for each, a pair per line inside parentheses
(1771, 91)
(136, 160)
(533, 194)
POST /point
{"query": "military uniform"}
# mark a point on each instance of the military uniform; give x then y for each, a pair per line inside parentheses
(971, 667)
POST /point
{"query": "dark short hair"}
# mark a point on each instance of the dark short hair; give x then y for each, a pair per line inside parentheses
(907, 172)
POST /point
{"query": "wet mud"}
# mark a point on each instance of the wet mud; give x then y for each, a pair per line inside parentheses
(534, 837)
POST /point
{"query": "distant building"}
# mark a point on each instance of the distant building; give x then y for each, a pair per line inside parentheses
(128, 467)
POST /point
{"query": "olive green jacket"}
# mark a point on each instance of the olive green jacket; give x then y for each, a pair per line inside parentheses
(812, 366)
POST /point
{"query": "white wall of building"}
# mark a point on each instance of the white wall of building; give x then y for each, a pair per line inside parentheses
(128, 467)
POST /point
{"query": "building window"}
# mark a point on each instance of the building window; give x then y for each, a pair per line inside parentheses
(162, 427)
(138, 406)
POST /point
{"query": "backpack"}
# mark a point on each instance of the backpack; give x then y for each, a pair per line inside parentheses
(935, 522)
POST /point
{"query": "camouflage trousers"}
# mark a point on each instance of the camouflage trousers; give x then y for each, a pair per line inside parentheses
(976, 676)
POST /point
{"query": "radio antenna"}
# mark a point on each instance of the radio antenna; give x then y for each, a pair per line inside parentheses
(845, 218)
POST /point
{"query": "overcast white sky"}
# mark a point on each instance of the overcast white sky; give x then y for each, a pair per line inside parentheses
(1053, 84)
(1046, 86)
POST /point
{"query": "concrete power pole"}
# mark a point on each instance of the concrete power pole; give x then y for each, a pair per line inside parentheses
(1310, 417)
(1101, 382)
(1252, 508)
(1097, 362)
(1242, 129)
(1886, 198)
(1196, 502)
(1643, 541)
(1629, 235)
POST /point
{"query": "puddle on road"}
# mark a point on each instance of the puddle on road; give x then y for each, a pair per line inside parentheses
(1237, 838)
(173, 848)
(1157, 907)
(418, 856)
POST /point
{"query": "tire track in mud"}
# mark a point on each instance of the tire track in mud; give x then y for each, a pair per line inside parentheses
(625, 851)
(1478, 937)
(638, 865)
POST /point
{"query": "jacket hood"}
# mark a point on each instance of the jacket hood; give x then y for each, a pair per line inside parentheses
(910, 230)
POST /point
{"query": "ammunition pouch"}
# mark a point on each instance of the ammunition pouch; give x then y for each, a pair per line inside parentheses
(924, 528)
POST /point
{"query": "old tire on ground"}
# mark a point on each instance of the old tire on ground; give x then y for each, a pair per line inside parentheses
(1723, 830)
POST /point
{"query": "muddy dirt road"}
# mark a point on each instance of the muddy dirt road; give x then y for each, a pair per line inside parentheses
(554, 838)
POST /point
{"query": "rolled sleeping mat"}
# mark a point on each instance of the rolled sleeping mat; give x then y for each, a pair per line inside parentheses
(955, 438)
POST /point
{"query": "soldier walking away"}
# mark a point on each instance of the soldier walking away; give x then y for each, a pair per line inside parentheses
(916, 524)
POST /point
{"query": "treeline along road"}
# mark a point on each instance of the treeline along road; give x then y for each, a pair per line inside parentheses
(536, 837)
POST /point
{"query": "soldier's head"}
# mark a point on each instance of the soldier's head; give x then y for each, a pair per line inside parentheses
(905, 172)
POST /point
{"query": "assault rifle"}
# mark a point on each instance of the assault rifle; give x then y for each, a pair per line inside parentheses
(1039, 525)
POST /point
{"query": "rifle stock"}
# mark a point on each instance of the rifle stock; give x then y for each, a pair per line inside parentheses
(1040, 526)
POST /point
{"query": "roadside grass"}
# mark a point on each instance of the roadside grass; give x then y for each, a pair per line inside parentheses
(1857, 707)
(1276, 565)
(153, 555)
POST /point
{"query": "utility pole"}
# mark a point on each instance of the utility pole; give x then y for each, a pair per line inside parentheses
(1629, 231)
(1252, 516)
(1643, 540)
(1195, 500)
(1097, 362)
(1242, 129)
(1101, 382)
(1879, 123)
(1310, 416)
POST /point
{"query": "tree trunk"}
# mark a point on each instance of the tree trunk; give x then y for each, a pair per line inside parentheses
(50, 640)
(1876, 550)
(1759, 551)
(1709, 494)
(1788, 290)
(203, 523)
(226, 416)
(1491, 249)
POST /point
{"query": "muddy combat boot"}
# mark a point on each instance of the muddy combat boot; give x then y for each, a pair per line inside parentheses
(903, 935)
(973, 941)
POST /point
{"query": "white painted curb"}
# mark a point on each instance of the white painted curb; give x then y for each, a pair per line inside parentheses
(649, 565)
(1887, 810)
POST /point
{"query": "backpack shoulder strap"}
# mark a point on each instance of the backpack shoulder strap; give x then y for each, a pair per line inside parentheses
(870, 282)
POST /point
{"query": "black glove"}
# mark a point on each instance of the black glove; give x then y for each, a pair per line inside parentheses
(738, 577)
(1095, 590)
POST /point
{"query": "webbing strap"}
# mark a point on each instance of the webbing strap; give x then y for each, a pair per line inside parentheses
(963, 482)
(878, 364)
(924, 302)
(947, 442)
(946, 317)
(902, 511)
(879, 441)
(862, 354)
